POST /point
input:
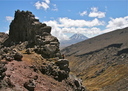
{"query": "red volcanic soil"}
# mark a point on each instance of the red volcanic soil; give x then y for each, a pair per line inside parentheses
(20, 73)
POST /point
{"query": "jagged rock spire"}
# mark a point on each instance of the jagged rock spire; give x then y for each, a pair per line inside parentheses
(25, 27)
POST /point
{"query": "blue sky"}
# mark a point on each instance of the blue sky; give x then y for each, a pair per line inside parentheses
(89, 17)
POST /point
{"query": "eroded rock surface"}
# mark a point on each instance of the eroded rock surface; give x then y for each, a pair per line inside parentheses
(25, 27)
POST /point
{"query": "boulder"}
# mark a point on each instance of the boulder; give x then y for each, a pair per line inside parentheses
(9, 57)
(2, 70)
(28, 51)
(76, 83)
(18, 56)
(53, 69)
(30, 85)
(63, 64)
(12, 55)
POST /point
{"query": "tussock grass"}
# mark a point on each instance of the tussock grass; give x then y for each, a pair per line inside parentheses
(111, 75)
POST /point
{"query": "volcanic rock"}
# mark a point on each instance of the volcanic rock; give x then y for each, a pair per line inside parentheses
(58, 69)
(25, 27)
(3, 37)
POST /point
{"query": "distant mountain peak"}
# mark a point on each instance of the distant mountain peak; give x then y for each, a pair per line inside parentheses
(72, 40)
(78, 36)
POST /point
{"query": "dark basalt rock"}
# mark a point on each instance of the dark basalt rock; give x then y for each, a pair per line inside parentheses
(9, 54)
(18, 56)
(75, 83)
(2, 72)
(58, 70)
(25, 27)
(63, 64)
(30, 85)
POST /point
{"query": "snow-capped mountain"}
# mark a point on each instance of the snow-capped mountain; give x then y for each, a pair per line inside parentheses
(72, 40)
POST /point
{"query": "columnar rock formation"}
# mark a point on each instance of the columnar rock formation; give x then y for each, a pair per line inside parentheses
(25, 27)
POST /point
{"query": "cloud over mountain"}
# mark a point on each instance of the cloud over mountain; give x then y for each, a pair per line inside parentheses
(67, 25)
(64, 25)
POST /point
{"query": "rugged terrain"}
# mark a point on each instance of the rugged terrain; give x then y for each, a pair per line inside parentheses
(30, 58)
(102, 61)
(3, 37)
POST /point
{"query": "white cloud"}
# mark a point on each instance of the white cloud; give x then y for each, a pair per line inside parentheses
(47, 1)
(62, 26)
(7, 32)
(37, 17)
(44, 5)
(54, 7)
(9, 18)
(83, 13)
(90, 32)
(96, 13)
(118, 23)
(66, 22)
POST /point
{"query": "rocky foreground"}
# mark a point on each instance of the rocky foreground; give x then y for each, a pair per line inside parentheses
(30, 59)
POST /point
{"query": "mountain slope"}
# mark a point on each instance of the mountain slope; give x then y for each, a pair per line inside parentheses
(102, 61)
(118, 36)
(72, 40)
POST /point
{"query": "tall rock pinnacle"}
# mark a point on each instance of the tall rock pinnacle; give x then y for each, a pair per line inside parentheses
(25, 27)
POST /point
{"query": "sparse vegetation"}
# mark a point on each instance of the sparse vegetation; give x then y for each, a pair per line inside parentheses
(103, 64)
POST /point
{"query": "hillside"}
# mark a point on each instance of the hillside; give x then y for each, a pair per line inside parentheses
(102, 61)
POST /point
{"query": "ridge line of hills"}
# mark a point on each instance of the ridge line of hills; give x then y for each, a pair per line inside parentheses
(98, 42)
(102, 61)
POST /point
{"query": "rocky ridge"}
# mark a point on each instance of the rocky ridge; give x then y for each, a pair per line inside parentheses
(25, 28)
(30, 59)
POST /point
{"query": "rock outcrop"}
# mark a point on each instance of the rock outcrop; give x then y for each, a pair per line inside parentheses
(3, 37)
(25, 27)
(30, 59)
(58, 69)
(10, 54)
